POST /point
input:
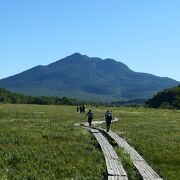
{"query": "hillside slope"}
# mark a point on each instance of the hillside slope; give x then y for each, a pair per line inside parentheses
(168, 98)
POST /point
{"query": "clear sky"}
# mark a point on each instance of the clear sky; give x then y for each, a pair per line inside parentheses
(143, 34)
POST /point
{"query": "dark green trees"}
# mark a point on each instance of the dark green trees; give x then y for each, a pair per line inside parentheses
(14, 98)
(168, 98)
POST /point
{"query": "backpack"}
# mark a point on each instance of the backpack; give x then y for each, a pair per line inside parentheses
(109, 115)
(90, 115)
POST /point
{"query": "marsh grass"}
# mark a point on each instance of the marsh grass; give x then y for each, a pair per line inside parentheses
(41, 142)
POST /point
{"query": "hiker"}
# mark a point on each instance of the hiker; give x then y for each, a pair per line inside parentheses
(90, 115)
(108, 117)
(81, 109)
(77, 109)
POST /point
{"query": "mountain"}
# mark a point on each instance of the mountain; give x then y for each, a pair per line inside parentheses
(82, 77)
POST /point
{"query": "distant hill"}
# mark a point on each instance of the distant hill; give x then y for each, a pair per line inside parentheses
(82, 77)
(168, 98)
(15, 98)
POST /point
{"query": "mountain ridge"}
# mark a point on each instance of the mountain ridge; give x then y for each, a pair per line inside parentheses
(82, 77)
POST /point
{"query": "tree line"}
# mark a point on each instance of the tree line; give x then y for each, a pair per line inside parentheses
(16, 98)
(168, 98)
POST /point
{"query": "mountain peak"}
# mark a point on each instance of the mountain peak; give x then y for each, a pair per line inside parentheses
(76, 56)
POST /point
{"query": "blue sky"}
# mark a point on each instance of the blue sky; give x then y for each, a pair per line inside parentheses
(143, 34)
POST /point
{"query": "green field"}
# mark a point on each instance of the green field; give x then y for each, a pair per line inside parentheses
(41, 142)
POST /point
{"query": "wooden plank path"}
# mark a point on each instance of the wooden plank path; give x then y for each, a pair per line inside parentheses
(115, 169)
(146, 172)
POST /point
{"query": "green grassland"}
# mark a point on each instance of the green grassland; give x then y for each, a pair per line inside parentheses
(41, 142)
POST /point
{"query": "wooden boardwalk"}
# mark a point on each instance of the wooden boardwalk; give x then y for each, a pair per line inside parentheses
(115, 169)
(146, 172)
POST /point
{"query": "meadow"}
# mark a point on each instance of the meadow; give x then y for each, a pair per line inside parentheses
(42, 142)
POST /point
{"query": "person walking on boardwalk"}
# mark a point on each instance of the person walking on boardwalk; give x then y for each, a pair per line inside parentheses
(80, 109)
(83, 108)
(77, 108)
(108, 117)
(90, 116)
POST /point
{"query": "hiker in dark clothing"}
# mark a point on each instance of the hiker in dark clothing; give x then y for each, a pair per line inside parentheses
(90, 115)
(81, 109)
(77, 109)
(108, 117)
